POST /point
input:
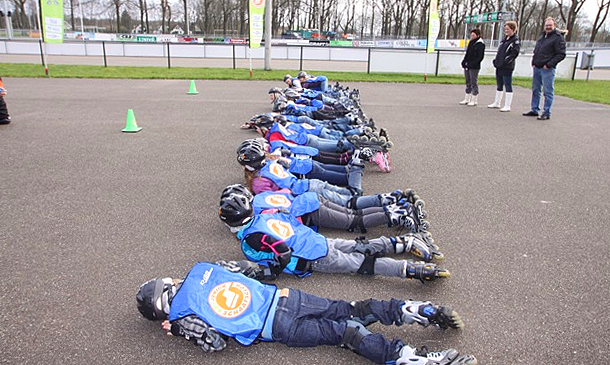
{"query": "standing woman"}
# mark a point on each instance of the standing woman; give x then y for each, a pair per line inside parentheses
(504, 63)
(472, 65)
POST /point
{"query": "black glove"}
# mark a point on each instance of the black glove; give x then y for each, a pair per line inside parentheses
(248, 268)
(464, 64)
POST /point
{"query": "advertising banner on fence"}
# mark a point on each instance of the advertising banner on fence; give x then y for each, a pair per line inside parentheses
(257, 15)
(434, 25)
(52, 20)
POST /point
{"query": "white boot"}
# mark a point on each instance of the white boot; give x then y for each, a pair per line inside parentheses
(473, 100)
(496, 103)
(507, 102)
(466, 99)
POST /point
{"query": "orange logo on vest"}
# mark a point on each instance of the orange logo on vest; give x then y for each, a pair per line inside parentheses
(282, 229)
(277, 170)
(278, 201)
(230, 299)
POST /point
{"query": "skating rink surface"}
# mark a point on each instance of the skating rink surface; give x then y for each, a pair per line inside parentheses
(520, 208)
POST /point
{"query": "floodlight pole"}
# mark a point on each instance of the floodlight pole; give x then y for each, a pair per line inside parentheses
(82, 27)
(186, 17)
(268, 13)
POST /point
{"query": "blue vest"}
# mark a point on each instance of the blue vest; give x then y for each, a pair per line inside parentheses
(311, 94)
(297, 206)
(300, 166)
(304, 242)
(305, 128)
(284, 179)
(231, 303)
(294, 148)
(289, 135)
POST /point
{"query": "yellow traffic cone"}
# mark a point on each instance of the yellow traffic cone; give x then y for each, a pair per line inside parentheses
(132, 124)
(192, 89)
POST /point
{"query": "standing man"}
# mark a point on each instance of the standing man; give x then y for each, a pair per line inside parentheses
(550, 49)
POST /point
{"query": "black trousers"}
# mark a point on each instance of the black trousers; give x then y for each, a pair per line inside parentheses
(3, 110)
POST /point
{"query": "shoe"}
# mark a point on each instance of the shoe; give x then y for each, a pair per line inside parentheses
(473, 100)
(497, 101)
(5, 121)
(420, 244)
(544, 117)
(466, 100)
(425, 314)
(507, 102)
(411, 356)
(531, 113)
(423, 271)
(382, 159)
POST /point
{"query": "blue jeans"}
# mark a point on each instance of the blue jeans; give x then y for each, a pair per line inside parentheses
(337, 174)
(543, 81)
(342, 196)
(305, 320)
(331, 134)
(328, 145)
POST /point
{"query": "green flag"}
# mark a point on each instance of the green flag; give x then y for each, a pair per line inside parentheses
(52, 20)
(257, 16)
(434, 25)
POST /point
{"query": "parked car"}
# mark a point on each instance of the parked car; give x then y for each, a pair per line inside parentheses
(291, 35)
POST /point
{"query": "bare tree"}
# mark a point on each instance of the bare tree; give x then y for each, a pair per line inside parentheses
(569, 9)
(600, 18)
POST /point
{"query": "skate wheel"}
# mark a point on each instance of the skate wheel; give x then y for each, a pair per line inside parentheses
(438, 256)
(419, 203)
(442, 273)
(389, 144)
(383, 140)
(374, 140)
(424, 225)
(364, 139)
(368, 130)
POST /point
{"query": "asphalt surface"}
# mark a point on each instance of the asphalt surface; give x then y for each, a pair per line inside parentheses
(520, 208)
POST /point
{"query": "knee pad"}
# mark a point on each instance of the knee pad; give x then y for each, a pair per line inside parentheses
(351, 203)
(361, 312)
(354, 333)
(368, 265)
(358, 223)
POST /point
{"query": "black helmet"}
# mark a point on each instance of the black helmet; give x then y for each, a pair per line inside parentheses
(151, 298)
(262, 120)
(235, 210)
(287, 77)
(251, 154)
(279, 118)
(275, 90)
(302, 74)
(236, 189)
(258, 142)
(279, 105)
(291, 94)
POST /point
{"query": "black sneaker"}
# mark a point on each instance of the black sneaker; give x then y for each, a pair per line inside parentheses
(531, 113)
(5, 121)
(544, 117)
